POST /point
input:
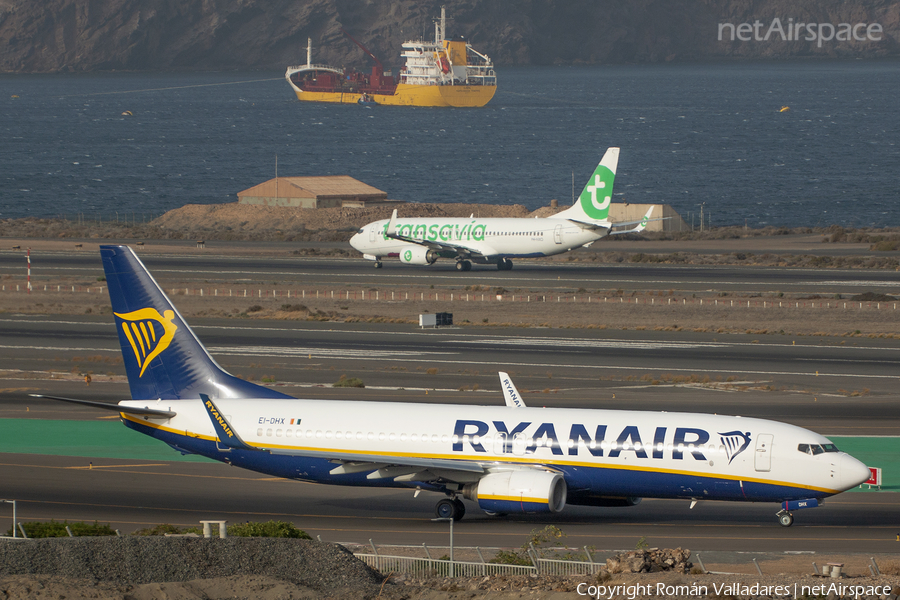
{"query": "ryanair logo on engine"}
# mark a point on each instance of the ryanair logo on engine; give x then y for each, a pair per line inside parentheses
(148, 333)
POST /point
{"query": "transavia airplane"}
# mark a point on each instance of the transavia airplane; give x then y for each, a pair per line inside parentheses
(506, 459)
(421, 241)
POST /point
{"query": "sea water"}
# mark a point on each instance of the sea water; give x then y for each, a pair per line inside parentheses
(692, 135)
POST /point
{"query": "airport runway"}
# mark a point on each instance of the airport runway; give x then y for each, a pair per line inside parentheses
(393, 360)
(132, 494)
(547, 275)
(822, 384)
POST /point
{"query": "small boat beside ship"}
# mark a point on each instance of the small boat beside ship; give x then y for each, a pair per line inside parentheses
(439, 73)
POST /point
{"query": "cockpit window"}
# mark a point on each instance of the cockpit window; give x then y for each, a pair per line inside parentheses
(815, 449)
(362, 230)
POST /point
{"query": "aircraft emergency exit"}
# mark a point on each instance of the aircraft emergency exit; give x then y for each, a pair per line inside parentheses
(422, 241)
(507, 458)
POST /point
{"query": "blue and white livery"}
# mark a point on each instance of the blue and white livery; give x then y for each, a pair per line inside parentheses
(505, 459)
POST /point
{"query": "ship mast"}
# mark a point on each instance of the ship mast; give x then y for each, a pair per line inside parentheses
(439, 27)
(308, 52)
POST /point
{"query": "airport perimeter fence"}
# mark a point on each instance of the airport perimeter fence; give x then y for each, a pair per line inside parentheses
(431, 567)
(454, 297)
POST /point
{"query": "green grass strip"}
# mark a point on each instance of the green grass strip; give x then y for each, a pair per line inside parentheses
(97, 439)
(881, 452)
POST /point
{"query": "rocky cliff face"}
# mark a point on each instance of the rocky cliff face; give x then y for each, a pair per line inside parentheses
(84, 35)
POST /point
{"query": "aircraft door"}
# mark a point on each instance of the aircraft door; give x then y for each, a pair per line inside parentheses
(500, 443)
(518, 444)
(763, 458)
(373, 234)
(557, 234)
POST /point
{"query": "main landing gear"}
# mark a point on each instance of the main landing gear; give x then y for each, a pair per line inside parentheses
(785, 519)
(378, 264)
(504, 264)
(450, 508)
(463, 265)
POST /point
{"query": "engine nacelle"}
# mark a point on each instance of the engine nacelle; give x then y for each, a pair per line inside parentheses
(519, 492)
(418, 255)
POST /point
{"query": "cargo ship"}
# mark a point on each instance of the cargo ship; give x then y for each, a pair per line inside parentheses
(439, 73)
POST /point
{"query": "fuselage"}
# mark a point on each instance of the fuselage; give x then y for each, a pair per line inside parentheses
(495, 237)
(599, 453)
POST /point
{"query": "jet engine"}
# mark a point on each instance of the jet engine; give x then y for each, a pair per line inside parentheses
(418, 255)
(519, 492)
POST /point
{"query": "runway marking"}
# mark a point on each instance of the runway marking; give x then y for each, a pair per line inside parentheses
(91, 467)
(167, 474)
(508, 364)
(318, 352)
(586, 343)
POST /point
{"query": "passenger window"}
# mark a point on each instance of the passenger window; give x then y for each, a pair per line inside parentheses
(288, 433)
(259, 432)
(269, 432)
(277, 433)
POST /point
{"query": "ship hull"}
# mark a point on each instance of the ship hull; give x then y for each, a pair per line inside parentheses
(461, 96)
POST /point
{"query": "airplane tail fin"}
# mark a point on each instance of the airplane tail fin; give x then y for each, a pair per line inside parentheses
(593, 203)
(163, 357)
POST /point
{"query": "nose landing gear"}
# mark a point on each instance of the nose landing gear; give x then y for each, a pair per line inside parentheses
(785, 519)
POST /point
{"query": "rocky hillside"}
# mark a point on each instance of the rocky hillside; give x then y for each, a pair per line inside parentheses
(86, 35)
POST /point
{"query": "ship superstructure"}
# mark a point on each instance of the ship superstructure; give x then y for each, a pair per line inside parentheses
(438, 73)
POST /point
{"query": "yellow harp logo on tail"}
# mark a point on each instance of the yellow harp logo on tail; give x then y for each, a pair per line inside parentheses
(148, 332)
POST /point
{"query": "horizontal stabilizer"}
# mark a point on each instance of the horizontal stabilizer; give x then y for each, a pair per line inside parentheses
(131, 410)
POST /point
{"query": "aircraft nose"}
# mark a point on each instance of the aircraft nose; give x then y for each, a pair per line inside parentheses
(853, 472)
(355, 240)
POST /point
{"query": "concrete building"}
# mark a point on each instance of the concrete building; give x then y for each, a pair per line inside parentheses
(313, 192)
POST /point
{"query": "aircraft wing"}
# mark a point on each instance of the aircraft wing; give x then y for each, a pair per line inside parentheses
(415, 468)
(131, 410)
(461, 250)
(640, 225)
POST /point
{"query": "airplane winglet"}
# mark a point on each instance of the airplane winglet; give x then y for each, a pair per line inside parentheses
(225, 432)
(510, 393)
(392, 224)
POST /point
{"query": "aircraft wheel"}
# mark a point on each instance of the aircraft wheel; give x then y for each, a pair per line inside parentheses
(450, 509)
(786, 519)
(505, 265)
(378, 264)
(463, 265)
(460, 509)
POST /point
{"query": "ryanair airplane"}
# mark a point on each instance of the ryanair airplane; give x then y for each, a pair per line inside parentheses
(505, 459)
(422, 241)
